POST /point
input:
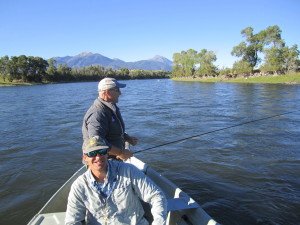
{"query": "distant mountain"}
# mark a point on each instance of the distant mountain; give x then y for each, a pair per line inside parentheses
(88, 59)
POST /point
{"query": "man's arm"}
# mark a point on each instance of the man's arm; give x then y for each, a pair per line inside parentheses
(76, 210)
(149, 192)
(98, 125)
(120, 154)
(130, 139)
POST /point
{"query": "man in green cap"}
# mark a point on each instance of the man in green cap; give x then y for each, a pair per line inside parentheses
(109, 192)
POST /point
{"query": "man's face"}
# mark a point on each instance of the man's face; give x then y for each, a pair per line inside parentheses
(114, 94)
(97, 163)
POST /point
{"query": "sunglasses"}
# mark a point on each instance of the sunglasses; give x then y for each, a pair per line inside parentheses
(116, 89)
(96, 152)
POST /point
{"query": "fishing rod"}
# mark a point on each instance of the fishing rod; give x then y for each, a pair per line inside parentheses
(209, 132)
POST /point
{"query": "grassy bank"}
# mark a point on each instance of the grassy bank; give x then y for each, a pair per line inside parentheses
(8, 83)
(293, 78)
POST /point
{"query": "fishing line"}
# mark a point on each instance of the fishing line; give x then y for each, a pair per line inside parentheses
(209, 132)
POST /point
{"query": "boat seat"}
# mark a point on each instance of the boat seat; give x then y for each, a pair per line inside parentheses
(50, 218)
(175, 204)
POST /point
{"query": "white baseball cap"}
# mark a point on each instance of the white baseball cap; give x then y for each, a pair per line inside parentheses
(108, 83)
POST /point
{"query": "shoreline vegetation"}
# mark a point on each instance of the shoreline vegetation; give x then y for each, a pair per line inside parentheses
(279, 64)
(290, 78)
(159, 75)
(264, 57)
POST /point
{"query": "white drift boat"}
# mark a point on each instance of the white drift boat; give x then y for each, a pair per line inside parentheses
(183, 210)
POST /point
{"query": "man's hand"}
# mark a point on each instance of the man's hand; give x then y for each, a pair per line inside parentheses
(132, 140)
(125, 154)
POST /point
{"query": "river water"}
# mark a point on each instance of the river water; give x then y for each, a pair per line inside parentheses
(246, 174)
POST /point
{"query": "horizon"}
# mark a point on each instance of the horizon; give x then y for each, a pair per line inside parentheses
(135, 30)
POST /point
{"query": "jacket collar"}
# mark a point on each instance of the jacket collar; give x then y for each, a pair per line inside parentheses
(110, 105)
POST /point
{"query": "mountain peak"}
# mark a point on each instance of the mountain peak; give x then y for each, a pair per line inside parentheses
(157, 57)
(161, 59)
(88, 58)
(83, 54)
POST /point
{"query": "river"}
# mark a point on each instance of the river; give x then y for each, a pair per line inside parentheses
(247, 174)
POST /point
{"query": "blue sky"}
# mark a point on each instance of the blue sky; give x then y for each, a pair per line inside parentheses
(139, 29)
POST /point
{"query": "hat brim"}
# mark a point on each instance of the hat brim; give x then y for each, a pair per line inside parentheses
(119, 85)
(94, 149)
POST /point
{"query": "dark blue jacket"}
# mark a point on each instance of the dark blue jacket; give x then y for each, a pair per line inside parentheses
(104, 119)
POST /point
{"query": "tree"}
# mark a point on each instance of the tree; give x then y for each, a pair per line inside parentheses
(191, 63)
(124, 72)
(40, 67)
(278, 57)
(4, 68)
(225, 71)
(64, 72)
(110, 72)
(205, 60)
(250, 48)
(13, 68)
(51, 69)
(272, 36)
(273, 60)
(184, 63)
(190, 59)
(242, 67)
(24, 66)
(177, 69)
(290, 58)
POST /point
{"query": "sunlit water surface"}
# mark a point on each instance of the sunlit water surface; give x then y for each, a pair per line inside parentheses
(246, 174)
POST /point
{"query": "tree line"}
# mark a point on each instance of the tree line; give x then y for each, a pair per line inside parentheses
(276, 57)
(36, 69)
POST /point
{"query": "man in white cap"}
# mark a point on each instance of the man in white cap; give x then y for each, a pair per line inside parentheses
(104, 119)
(109, 192)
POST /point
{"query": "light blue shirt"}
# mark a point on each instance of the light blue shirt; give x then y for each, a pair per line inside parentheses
(104, 188)
(124, 187)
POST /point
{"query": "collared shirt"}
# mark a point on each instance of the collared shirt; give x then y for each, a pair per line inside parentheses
(122, 205)
(104, 188)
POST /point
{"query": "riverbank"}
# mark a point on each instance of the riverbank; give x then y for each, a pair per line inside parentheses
(4, 84)
(292, 78)
(14, 83)
(20, 83)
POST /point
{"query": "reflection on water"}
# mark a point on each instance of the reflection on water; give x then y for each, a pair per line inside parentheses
(243, 175)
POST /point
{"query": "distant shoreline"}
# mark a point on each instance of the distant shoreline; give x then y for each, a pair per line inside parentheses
(292, 78)
(19, 83)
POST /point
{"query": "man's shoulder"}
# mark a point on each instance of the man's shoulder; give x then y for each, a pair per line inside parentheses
(81, 181)
(98, 104)
(123, 168)
(96, 107)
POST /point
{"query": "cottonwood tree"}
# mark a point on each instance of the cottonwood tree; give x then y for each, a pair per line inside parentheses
(206, 59)
(291, 59)
(273, 49)
(191, 63)
(249, 48)
(4, 68)
(278, 58)
(242, 67)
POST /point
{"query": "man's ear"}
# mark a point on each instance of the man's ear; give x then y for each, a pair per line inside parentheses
(84, 158)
